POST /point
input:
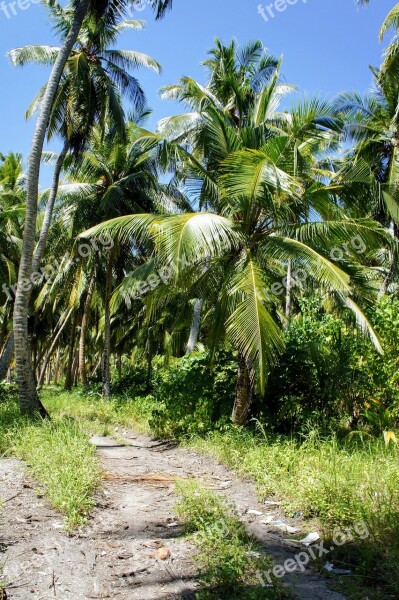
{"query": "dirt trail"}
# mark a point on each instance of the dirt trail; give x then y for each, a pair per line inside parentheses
(116, 556)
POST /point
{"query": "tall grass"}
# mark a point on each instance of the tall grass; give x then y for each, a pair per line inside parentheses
(228, 558)
(95, 414)
(58, 455)
(339, 485)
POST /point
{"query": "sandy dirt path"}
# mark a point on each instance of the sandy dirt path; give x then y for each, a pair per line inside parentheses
(117, 555)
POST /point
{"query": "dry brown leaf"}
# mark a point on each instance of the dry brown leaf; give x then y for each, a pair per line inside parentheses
(163, 553)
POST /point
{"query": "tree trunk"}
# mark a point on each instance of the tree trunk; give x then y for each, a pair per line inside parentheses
(57, 366)
(6, 358)
(392, 270)
(75, 369)
(28, 397)
(71, 353)
(83, 330)
(119, 366)
(41, 244)
(244, 392)
(43, 236)
(52, 348)
(195, 326)
(106, 379)
(97, 366)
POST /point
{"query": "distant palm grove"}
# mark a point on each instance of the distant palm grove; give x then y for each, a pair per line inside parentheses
(239, 262)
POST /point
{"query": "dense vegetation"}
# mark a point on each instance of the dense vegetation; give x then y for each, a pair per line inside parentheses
(229, 280)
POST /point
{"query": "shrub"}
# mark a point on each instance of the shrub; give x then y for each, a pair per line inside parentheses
(194, 397)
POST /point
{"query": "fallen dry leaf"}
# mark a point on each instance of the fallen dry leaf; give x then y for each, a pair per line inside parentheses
(162, 553)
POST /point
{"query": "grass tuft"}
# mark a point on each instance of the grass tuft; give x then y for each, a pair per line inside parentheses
(59, 456)
(228, 558)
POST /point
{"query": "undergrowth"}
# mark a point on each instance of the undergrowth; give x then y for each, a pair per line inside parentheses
(336, 484)
(333, 484)
(97, 415)
(59, 456)
(228, 558)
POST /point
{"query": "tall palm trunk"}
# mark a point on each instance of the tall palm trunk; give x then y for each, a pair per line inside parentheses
(106, 378)
(195, 326)
(71, 353)
(244, 393)
(83, 330)
(57, 366)
(28, 398)
(39, 248)
(288, 296)
(48, 213)
(51, 350)
(393, 268)
(196, 322)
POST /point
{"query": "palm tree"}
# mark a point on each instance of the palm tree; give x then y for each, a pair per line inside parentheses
(81, 9)
(246, 249)
(12, 210)
(266, 173)
(120, 176)
(369, 174)
(244, 91)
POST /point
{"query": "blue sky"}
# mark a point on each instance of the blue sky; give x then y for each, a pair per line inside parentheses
(327, 45)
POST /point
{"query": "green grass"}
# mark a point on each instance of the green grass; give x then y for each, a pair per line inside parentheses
(228, 558)
(333, 485)
(59, 457)
(338, 487)
(95, 414)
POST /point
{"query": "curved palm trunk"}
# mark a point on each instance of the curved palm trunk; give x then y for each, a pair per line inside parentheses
(106, 378)
(28, 398)
(4, 365)
(51, 350)
(195, 326)
(57, 366)
(83, 330)
(48, 214)
(7, 355)
(244, 393)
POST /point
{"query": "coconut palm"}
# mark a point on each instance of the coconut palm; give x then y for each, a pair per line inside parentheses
(369, 175)
(12, 210)
(243, 93)
(81, 9)
(115, 176)
(91, 90)
(246, 249)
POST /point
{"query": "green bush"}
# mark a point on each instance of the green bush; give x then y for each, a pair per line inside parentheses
(134, 382)
(194, 397)
(329, 372)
